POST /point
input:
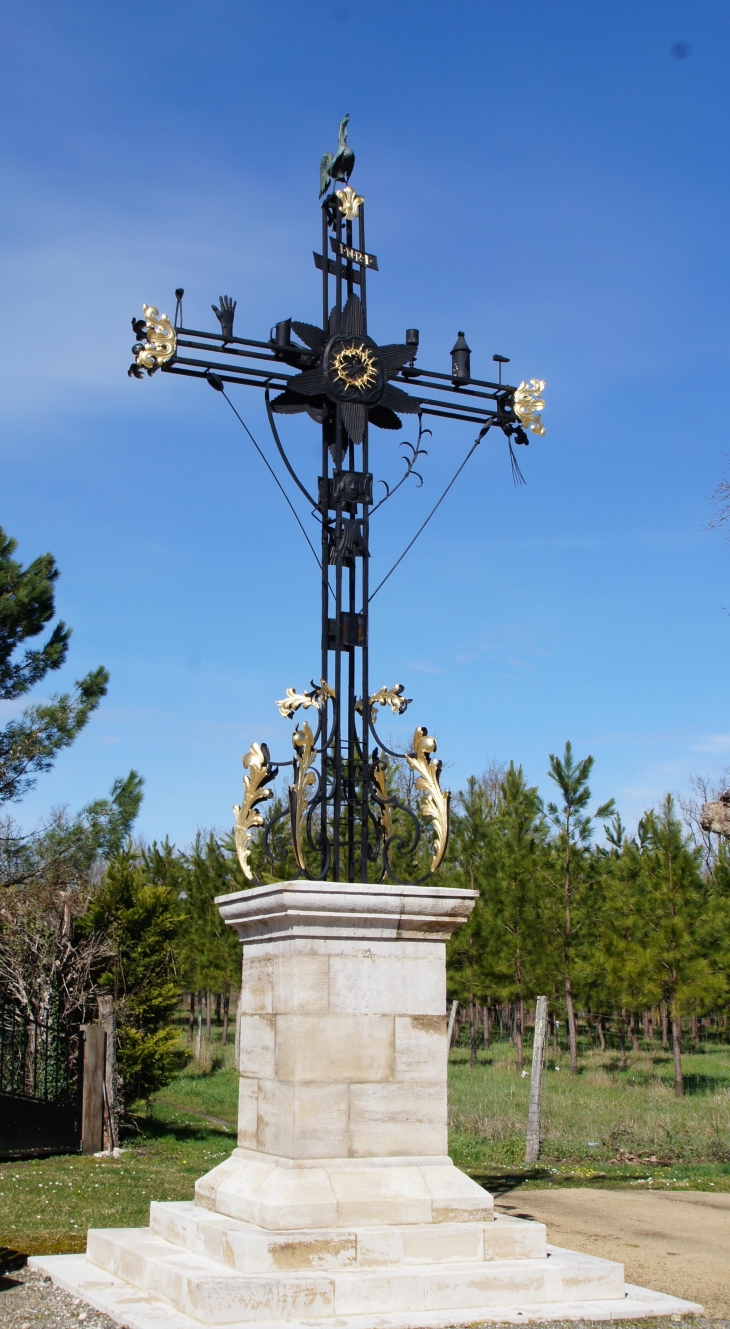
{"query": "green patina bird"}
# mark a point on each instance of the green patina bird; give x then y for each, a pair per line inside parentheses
(337, 167)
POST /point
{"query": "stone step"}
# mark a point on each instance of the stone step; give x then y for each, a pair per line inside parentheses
(251, 1249)
(212, 1292)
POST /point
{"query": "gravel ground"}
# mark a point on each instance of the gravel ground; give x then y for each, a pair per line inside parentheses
(28, 1301)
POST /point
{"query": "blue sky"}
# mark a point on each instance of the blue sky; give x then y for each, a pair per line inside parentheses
(551, 177)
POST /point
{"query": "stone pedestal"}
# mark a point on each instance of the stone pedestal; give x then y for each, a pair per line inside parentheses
(342, 1057)
(340, 1201)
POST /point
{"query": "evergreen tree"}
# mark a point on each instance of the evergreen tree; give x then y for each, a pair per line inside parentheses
(29, 744)
(570, 879)
(678, 924)
(210, 950)
(519, 953)
(614, 959)
(137, 911)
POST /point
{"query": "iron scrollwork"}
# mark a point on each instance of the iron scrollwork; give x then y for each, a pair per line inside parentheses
(394, 820)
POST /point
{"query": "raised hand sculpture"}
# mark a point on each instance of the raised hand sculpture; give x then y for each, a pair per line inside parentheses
(225, 315)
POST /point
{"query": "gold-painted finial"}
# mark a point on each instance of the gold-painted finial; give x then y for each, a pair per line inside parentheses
(349, 202)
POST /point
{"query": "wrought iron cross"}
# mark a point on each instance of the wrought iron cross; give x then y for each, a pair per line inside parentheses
(347, 816)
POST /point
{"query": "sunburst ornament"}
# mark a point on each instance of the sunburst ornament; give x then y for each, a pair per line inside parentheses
(355, 366)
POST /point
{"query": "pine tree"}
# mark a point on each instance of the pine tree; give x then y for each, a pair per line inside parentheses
(210, 950)
(470, 972)
(30, 744)
(570, 880)
(512, 897)
(615, 953)
(675, 901)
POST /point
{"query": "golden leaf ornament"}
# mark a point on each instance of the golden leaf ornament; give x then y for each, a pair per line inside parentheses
(257, 762)
(392, 697)
(294, 700)
(303, 744)
(528, 404)
(383, 798)
(436, 801)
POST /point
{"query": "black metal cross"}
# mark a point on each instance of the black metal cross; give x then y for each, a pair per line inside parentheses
(348, 820)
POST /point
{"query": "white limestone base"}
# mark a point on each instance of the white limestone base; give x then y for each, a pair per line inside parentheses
(140, 1309)
(193, 1266)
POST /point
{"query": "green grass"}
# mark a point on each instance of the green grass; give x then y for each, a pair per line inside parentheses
(601, 1127)
(604, 1127)
(47, 1204)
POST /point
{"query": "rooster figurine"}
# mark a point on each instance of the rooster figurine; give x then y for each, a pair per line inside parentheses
(340, 166)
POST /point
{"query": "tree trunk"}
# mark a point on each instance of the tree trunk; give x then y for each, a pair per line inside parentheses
(519, 1031)
(532, 1148)
(677, 1046)
(208, 1013)
(226, 1009)
(696, 1031)
(635, 1043)
(601, 1033)
(472, 1033)
(191, 1021)
(486, 1022)
(665, 1025)
(218, 1000)
(572, 1039)
(648, 1027)
(199, 1039)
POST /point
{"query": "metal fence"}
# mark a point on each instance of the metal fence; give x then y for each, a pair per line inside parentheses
(40, 1084)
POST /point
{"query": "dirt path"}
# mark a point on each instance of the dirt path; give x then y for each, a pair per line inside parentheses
(675, 1241)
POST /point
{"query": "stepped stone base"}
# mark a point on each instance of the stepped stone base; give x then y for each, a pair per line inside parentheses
(559, 1286)
(340, 1208)
(193, 1266)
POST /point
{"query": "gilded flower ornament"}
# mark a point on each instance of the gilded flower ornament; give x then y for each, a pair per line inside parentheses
(349, 202)
(528, 403)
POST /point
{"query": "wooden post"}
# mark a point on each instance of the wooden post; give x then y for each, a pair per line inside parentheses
(450, 1032)
(532, 1148)
(92, 1107)
(108, 1022)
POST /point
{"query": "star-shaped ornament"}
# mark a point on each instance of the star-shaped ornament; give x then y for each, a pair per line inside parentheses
(353, 373)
